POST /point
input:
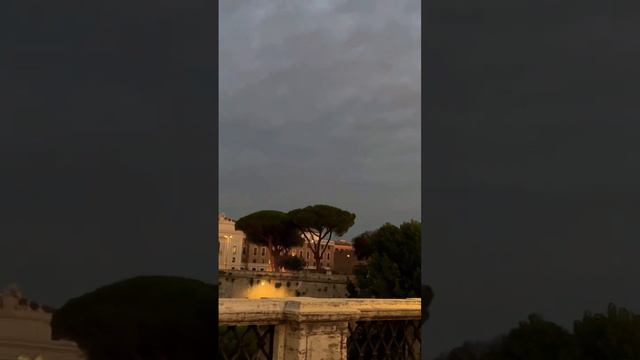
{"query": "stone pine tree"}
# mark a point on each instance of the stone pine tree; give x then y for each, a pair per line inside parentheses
(272, 229)
(318, 224)
(142, 318)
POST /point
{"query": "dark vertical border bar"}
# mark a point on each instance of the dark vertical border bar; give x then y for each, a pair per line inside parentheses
(423, 172)
(216, 132)
(216, 187)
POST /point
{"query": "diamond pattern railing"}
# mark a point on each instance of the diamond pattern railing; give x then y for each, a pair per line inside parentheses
(251, 342)
(384, 340)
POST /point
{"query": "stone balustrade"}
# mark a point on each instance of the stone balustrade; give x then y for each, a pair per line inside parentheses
(315, 328)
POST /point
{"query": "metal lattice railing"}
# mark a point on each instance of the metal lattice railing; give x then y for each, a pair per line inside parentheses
(384, 340)
(251, 342)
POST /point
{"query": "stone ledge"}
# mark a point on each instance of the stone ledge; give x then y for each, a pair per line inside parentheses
(311, 276)
(281, 310)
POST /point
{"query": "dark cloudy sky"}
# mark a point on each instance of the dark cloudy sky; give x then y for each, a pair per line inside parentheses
(530, 173)
(108, 151)
(320, 103)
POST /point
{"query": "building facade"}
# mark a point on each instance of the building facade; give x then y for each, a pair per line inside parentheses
(257, 257)
(25, 331)
(305, 252)
(230, 245)
(344, 258)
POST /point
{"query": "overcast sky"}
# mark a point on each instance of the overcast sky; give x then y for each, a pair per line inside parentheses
(320, 103)
(532, 177)
(107, 126)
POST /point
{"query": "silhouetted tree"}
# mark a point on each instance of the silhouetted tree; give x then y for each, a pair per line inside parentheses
(611, 336)
(468, 351)
(272, 229)
(318, 224)
(362, 246)
(393, 268)
(614, 335)
(426, 298)
(143, 318)
(537, 339)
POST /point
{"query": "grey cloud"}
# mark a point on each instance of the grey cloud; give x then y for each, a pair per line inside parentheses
(320, 103)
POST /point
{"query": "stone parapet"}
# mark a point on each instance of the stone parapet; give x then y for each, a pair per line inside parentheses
(313, 328)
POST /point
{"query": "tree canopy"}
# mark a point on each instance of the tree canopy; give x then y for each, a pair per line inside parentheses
(272, 229)
(537, 339)
(318, 224)
(394, 262)
(293, 263)
(362, 246)
(143, 318)
(614, 335)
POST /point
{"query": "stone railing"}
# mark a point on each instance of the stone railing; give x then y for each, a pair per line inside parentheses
(320, 328)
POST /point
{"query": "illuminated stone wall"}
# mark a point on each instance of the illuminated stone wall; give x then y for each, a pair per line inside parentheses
(251, 284)
(25, 331)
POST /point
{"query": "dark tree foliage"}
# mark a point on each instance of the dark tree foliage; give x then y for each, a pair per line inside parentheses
(273, 229)
(468, 351)
(393, 268)
(614, 335)
(427, 298)
(362, 246)
(318, 224)
(292, 263)
(537, 339)
(143, 318)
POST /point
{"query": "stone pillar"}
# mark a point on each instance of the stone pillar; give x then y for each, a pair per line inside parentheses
(314, 329)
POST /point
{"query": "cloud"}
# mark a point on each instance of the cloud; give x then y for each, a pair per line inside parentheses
(320, 103)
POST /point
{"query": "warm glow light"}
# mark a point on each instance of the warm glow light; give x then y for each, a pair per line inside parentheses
(266, 290)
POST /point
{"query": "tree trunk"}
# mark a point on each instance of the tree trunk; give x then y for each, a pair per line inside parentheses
(272, 265)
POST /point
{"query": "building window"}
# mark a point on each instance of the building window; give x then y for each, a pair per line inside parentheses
(233, 259)
(328, 256)
(235, 249)
(255, 251)
(254, 261)
(244, 250)
(307, 255)
(263, 250)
